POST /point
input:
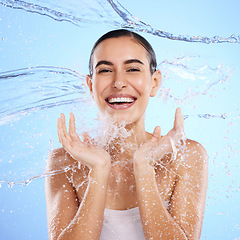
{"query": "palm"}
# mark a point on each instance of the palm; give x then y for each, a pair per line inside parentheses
(158, 146)
(82, 151)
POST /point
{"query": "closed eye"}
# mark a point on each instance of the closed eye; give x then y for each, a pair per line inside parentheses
(104, 70)
(133, 70)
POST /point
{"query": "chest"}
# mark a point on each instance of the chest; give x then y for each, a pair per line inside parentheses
(122, 187)
(121, 191)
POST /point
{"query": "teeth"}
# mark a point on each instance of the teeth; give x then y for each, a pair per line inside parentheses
(117, 100)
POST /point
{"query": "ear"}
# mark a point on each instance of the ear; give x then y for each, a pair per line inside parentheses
(156, 82)
(89, 83)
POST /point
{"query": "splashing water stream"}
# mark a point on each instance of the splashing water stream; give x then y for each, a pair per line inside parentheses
(42, 88)
(75, 13)
(38, 94)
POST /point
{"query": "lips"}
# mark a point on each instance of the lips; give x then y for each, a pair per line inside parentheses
(120, 101)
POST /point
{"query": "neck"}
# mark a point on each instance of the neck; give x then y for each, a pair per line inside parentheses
(138, 134)
(127, 139)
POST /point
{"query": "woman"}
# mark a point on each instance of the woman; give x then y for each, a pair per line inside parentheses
(141, 186)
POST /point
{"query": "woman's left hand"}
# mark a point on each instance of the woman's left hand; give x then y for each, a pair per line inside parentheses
(154, 150)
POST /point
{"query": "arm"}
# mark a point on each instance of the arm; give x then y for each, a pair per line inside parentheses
(188, 200)
(76, 214)
(183, 220)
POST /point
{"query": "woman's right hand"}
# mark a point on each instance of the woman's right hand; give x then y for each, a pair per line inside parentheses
(82, 151)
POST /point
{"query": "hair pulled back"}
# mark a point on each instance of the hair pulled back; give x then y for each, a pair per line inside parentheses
(126, 33)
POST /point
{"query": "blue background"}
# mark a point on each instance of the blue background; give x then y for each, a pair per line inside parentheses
(29, 39)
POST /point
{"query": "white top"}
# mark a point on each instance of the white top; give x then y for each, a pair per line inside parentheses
(123, 225)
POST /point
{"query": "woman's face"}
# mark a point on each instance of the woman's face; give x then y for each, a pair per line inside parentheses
(121, 82)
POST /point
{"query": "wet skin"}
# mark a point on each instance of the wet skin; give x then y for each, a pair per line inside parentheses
(153, 170)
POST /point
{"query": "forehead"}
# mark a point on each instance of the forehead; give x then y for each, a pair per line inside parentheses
(121, 48)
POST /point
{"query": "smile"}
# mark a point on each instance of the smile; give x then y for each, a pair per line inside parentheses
(120, 102)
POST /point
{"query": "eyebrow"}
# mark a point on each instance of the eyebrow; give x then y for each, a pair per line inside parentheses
(133, 61)
(104, 62)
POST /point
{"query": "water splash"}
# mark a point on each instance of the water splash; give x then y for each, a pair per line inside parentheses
(198, 77)
(41, 88)
(30, 100)
(36, 89)
(207, 116)
(51, 87)
(109, 12)
(29, 180)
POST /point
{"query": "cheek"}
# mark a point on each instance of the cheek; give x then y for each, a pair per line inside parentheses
(100, 84)
(98, 92)
(142, 85)
(97, 88)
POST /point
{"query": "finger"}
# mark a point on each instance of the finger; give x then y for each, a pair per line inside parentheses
(174, 148)
(62, 131)
(59, 126)
(179, 126)
(64, 140)
(63, 122)
(72, 127)
(157, 132)
(179, 119)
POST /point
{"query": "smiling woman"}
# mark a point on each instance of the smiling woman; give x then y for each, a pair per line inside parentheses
(137, 186)
(122, 70)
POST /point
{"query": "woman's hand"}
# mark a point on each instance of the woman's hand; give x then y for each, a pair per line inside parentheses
(154, 150)
(82, 151)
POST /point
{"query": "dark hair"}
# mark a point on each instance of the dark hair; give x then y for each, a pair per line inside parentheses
(126, 33)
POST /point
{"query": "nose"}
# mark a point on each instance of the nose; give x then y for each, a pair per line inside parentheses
(119, 81)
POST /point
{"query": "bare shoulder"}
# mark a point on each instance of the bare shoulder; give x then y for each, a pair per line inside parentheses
(194, 158)
(195, 146)
(59, 159)
(64, 170)
(195, 151)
